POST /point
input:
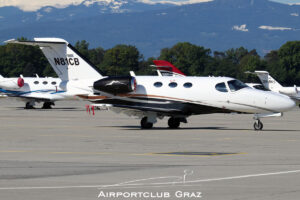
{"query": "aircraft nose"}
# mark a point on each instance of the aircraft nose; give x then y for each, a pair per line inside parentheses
(284, 103)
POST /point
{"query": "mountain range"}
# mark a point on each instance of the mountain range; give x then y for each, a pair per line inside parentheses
(219, 25)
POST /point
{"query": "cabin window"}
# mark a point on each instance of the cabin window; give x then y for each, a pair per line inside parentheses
(187, 85)
(221, 87)
(53, 83)
(173, 85)
(36, 82)
(45, 82)
(236, 85)
(158, 84)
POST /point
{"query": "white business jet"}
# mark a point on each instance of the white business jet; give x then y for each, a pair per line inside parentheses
(33, 90)
(155, 97)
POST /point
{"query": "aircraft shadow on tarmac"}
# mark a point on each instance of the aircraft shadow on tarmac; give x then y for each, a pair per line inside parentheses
(198, 128)
(161, 128)
(53, 109)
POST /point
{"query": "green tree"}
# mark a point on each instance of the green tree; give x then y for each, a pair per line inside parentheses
(96, 55)
(235, 55)
(220, 65)
(190, 59)
(289, 55)
(145, 67)
(121, 59)
(21, 59)
(83, 47)
(274, 67)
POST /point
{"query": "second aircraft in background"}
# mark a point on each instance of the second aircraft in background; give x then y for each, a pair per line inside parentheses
(33, 90)
(271, 84)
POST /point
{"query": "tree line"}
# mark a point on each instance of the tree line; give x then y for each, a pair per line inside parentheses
(283, 64)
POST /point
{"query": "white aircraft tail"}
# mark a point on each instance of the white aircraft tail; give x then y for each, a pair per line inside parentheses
(1, 77)
(66, 61)
(268, 81)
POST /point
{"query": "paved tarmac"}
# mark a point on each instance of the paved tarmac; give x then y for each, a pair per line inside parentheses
(64, 153)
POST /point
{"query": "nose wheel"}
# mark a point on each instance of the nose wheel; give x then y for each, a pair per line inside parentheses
(258, 125)
(29, 105)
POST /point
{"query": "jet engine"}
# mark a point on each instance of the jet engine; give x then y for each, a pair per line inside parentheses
(289, 91)
(116, 84)
(12, 83)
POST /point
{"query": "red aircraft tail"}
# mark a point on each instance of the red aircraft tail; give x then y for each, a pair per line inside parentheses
(167, 67)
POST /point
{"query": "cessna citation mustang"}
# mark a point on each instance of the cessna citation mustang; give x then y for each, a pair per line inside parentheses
(155, 97)
(32, 90)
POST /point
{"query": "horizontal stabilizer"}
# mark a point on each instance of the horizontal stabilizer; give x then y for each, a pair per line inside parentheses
(66, 61)
(41, 42)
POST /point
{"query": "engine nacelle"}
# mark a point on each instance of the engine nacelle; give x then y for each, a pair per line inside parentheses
(12, 83)
(289, 91)
(116, 84)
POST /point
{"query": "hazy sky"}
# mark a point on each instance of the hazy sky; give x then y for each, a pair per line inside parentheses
(32, 5)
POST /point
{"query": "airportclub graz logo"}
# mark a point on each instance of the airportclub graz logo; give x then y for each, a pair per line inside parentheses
(115, 191)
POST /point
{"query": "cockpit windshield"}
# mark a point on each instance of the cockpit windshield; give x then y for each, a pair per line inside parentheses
(261, 87)
(236, 85)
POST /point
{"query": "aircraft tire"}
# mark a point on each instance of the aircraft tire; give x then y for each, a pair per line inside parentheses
(28, 106)
(47, 105)
(145, 124)
(173, 123)
(258, 125)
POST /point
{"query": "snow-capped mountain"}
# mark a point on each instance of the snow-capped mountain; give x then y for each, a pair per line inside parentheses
(20, 15)
(218, 24)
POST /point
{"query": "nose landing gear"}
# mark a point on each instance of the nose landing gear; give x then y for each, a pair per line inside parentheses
(29, 105)
(258, 125)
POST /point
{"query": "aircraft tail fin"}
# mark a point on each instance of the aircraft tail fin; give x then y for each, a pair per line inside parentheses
(1, 77)
(268, 81)
(66, 61)
(167, 69)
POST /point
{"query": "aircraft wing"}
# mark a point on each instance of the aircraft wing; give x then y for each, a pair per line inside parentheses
(39, 95)
(35, 43)
(139, 111)
(54, 96)
(149, 109)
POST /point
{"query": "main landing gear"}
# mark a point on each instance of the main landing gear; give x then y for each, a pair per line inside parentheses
(47, 105)
(145, 124)
(173, 122)
(258, 125)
